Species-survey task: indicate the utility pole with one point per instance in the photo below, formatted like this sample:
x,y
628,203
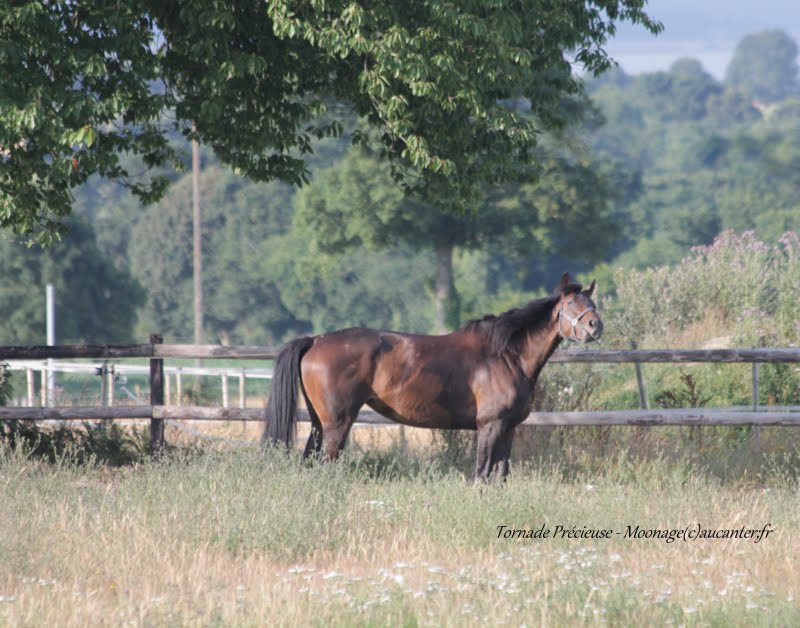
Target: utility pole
x,y
197,231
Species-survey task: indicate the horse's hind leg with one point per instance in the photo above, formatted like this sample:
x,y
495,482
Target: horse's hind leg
x,y
314,442
336,389
335,437
331,420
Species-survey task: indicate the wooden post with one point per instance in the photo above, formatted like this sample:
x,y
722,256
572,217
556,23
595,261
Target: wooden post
x,y
224,390
178,387
756,393
756,405
111,373
103,384
643,402
31,395
242,384
167,389
44,387
156,397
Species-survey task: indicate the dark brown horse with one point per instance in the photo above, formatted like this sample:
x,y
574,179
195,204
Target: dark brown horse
x,y
480,377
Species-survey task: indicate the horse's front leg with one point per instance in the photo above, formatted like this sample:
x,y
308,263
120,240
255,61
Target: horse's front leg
x,y
501,465
488,435
494,451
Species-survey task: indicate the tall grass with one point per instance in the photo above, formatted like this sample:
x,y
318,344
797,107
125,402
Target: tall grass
x,y
235,537
399,535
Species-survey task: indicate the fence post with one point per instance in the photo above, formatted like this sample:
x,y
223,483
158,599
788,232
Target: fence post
x,y
103,383
756,392
111,376
242,384
156,397
29,377
44,386
756,404
167,389
224,390
178,387
643,402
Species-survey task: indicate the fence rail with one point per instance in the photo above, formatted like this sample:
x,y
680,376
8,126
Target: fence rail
x,y
679,416
157,411
253,352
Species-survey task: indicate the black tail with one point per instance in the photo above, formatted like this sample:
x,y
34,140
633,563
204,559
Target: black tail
x,y
281,412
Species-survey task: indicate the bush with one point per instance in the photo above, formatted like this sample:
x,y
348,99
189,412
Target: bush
x,y
102,443
751,286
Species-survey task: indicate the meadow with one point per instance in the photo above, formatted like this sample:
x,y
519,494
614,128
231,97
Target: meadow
x,y
232,536
94,531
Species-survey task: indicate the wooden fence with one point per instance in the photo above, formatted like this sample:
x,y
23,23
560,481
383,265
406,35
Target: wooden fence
x,y
157,412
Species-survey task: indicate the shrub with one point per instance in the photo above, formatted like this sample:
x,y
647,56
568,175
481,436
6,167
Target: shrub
x,y
752,286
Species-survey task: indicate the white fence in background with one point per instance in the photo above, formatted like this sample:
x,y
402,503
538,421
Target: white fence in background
x,y
113,378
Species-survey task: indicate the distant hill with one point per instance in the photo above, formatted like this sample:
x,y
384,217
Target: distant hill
x,y
707,31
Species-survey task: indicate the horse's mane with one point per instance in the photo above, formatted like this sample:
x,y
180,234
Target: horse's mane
x,y
506,332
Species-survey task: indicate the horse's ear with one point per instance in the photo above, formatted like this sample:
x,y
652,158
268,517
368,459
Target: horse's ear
x,y
565,281
588,292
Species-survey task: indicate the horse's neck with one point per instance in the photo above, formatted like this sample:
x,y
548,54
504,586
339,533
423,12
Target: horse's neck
x,y
538,347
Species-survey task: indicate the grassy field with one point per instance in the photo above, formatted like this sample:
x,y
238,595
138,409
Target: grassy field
x,y
223,537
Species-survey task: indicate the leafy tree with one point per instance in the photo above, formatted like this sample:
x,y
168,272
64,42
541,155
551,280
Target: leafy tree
x,y
382,289
95,302
87,81
764,66
84,82
435,75
353,204
691,91
241,219
705,158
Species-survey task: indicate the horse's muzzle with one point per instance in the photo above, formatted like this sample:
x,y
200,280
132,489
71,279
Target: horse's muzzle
x,y
593,330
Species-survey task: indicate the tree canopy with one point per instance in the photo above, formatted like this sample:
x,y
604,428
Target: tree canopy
x,y
764,66
354,204
675,167
84,82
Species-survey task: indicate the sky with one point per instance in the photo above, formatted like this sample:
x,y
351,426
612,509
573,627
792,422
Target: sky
x,y
707,30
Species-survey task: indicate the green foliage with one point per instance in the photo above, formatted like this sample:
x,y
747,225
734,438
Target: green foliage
x,y
92,444
96,301
85,83
72,73
354,204
745,282
434,74
680,158
764,66
686,396
384,290
704,156
684,93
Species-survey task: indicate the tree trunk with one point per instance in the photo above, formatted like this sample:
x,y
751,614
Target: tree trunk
x,y
445,297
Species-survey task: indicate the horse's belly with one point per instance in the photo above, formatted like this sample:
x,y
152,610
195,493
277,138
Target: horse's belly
x,y
424,415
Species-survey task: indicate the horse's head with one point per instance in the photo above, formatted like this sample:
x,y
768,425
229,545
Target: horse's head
x,y
577,315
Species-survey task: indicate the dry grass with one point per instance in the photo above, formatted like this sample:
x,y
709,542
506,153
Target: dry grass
x,y
231,538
